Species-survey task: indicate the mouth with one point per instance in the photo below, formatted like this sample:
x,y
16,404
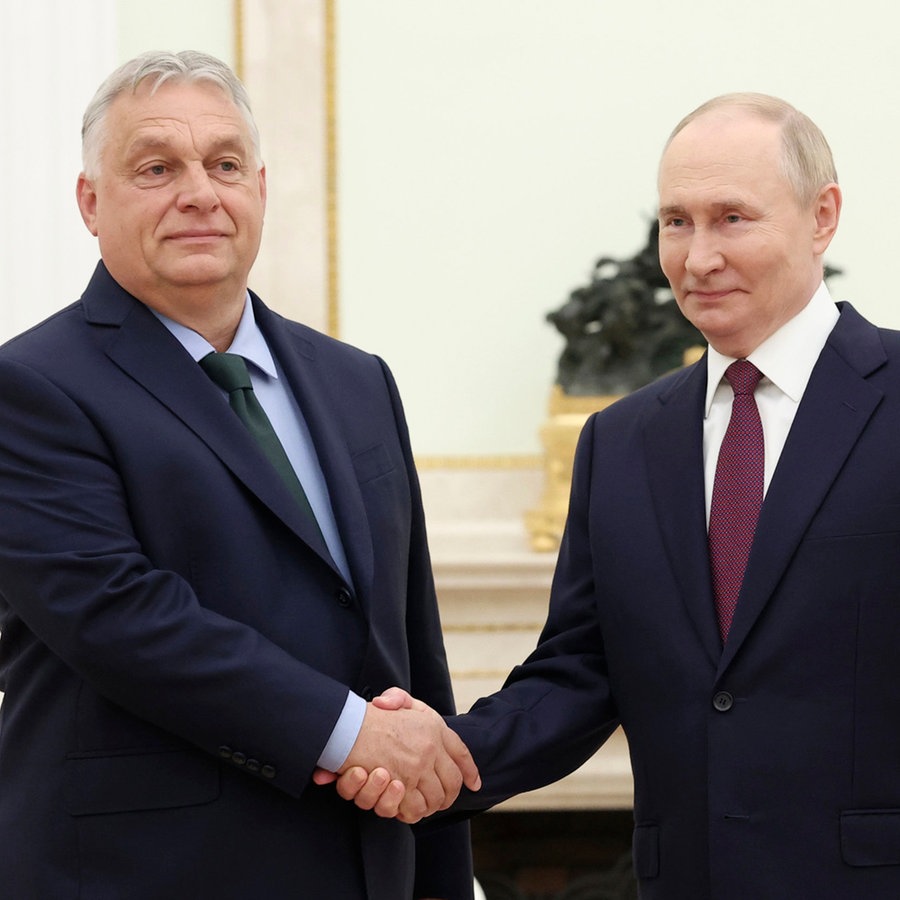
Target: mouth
x,y
706,295
196,236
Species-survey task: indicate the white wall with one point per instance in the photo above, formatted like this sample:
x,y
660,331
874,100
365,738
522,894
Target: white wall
x,y
491,150
206,25
53,56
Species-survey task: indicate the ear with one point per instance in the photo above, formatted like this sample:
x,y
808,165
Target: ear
x,y
87,202
262,186
827,210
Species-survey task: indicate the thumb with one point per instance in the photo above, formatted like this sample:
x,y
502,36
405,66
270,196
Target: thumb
x,y
395,698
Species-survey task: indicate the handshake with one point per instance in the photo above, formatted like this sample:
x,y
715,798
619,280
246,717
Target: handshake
x,y
406,763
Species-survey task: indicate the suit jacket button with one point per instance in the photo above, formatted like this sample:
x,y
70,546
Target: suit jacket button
x,y
268,772
238,758
253,765
723,701
225,752
344,597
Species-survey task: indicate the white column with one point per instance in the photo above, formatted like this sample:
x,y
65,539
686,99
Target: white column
x,y
284,70
53,55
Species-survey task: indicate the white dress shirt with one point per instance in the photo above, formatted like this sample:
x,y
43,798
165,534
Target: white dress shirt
x,y
786,360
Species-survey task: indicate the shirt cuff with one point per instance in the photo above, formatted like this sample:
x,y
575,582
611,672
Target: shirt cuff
x,y
345,733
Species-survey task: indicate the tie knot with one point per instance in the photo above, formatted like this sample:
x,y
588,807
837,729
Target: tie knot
x,y
743,376
227,370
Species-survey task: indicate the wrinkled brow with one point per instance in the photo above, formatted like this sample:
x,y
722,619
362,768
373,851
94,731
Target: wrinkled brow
x,y
226,143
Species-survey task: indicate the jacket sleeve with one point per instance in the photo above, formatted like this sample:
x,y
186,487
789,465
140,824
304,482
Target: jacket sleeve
x,y
556,708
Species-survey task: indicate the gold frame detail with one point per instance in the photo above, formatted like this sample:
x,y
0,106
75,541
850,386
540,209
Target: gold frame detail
x,y
331,168
238,13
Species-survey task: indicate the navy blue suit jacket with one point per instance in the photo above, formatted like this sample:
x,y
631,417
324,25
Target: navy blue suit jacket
x,y
176,641
769,770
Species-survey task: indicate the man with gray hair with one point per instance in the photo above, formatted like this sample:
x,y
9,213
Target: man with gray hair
x,y
212,554
728,586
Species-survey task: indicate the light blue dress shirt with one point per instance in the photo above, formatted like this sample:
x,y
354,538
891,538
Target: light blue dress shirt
x,y
287,419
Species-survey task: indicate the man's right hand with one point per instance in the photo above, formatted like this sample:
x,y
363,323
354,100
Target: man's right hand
x,y
406,763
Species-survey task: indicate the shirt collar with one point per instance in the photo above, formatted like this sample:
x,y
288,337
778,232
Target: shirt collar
x,y
248,340
787,357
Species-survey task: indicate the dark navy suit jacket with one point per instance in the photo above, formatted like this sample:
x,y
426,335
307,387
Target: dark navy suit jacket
x,y
176,641
769,770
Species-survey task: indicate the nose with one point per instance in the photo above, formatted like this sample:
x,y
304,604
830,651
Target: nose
x,y
197,190
704,254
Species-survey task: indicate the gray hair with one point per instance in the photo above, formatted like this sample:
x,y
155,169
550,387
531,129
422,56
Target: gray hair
x,y
806,159
186,66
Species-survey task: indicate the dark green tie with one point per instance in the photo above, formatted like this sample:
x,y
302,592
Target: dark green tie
x,y
229,371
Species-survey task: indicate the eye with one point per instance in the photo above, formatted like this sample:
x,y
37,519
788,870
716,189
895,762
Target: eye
x,y
228,167
733,218
156,169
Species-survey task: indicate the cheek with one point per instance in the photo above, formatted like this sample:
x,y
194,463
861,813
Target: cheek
x,y
672,263
668,259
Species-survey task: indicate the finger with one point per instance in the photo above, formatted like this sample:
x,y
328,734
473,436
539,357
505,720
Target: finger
x,y
413,808
388,804
459,753
395,698
351,782
323,776
450,778
432,789
368,794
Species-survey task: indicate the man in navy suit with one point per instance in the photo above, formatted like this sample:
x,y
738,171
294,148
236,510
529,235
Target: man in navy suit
x,y
764,733
185,638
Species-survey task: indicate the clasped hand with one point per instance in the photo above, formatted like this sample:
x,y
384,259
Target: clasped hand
x,y
406,763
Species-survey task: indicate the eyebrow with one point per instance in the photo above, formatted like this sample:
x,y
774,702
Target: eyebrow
x,y
719,206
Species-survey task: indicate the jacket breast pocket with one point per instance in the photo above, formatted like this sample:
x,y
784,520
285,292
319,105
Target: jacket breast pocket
x,y
133,781
870,837
372,463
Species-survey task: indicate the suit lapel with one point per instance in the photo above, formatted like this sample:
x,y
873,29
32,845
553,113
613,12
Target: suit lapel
x,y
837,404
319,403
142,347
674,454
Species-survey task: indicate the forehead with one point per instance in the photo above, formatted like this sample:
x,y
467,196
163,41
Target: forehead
x,y
727,151
176,112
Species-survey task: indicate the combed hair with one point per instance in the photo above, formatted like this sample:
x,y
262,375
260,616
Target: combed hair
x,y
161,66
806,158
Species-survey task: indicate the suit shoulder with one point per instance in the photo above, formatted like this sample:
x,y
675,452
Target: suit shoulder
x,y
652,394
46,339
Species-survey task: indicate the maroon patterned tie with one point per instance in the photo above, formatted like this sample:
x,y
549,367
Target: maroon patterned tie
x,y
737,493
